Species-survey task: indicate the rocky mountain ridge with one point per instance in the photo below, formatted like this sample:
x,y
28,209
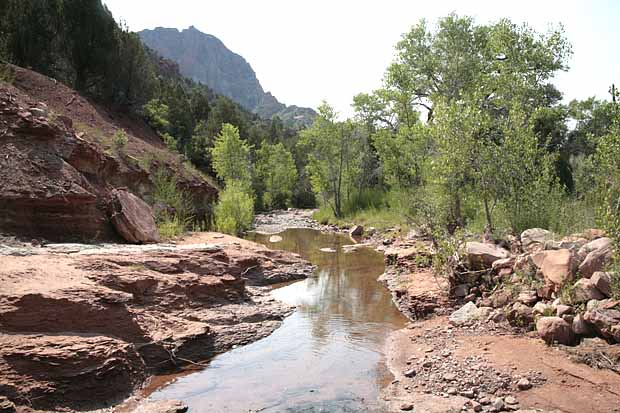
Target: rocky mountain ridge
x,y
205,59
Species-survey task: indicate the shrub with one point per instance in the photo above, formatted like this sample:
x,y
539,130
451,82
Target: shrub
x,y
6,74
234,212
170,227
120,139
170,142
174,207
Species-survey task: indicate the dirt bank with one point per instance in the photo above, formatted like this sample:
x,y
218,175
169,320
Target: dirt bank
x,y
487,364
84,326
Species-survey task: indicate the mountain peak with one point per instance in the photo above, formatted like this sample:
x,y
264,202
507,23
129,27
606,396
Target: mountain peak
x,y
205,59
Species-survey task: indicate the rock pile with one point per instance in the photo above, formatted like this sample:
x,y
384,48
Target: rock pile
x,y
558,286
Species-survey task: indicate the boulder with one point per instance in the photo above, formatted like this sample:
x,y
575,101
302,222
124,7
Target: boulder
x,y
6,406
570,243
133,218
534,239
469,314
602,281
606,321
461,290
554,329
543,308
481,256
596,260
356,231
580,326
556,266
585,290
593,234
528,297
520,315
503,263
563,310
593,246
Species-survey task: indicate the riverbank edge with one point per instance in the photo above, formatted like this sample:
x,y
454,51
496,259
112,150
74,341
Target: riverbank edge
x,y
422,296
177,290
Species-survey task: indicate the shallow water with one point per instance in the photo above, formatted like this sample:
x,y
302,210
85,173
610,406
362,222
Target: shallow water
x,y
326,357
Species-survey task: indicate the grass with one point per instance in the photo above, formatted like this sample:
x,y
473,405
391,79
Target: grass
x,y
6,74
170,227
379,218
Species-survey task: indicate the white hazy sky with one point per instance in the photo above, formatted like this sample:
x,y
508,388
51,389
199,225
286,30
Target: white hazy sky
x,y
304,52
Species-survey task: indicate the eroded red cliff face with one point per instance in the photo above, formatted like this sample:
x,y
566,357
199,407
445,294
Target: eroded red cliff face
x,y
59,164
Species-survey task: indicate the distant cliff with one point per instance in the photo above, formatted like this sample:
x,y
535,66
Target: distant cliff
x,y
206,59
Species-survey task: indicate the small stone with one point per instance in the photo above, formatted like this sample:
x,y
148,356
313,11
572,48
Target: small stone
x,y
510,400
452,391
485,401
406,407
410,373
468,393
477,407
524,384
498,404
427,364
449,377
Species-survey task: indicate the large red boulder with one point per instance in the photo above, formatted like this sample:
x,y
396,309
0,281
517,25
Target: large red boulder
x,y
133,218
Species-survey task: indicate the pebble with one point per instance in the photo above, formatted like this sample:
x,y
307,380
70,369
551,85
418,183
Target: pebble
x,y
468,393
410,373
406,407
524,384
498,404
510,400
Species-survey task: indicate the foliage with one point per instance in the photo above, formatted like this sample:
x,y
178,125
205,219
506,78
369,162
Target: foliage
x,y
231,156
157,114
234,213
120,139
333,157
174,209
6,74
607,158
276,170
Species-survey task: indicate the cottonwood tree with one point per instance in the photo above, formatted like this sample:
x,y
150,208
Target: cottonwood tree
x,y
276,170
333,150
231,156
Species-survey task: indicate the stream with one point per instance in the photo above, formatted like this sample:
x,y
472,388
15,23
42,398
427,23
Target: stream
x,y
326,357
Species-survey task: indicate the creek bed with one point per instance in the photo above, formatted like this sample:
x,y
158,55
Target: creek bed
x,y
326,357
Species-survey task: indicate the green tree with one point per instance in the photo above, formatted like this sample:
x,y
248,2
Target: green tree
x,y
231,156
333,150
276,169
234,212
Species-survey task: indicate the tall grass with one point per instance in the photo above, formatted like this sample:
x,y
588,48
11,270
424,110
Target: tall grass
x,y
174,207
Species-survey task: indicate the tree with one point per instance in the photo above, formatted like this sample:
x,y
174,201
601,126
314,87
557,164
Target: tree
x,y
276,170
231,156
234,212
333,157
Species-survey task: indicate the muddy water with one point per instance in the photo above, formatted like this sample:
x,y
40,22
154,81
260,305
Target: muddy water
x,y
326,357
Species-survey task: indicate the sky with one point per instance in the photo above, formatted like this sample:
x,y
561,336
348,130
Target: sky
x,y
306,52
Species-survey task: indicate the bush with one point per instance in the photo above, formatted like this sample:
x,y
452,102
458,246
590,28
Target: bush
x,y
234,212
174,210
120,139
6,74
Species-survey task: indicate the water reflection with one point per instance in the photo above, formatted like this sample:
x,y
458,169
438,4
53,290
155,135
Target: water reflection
x,y
326,357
